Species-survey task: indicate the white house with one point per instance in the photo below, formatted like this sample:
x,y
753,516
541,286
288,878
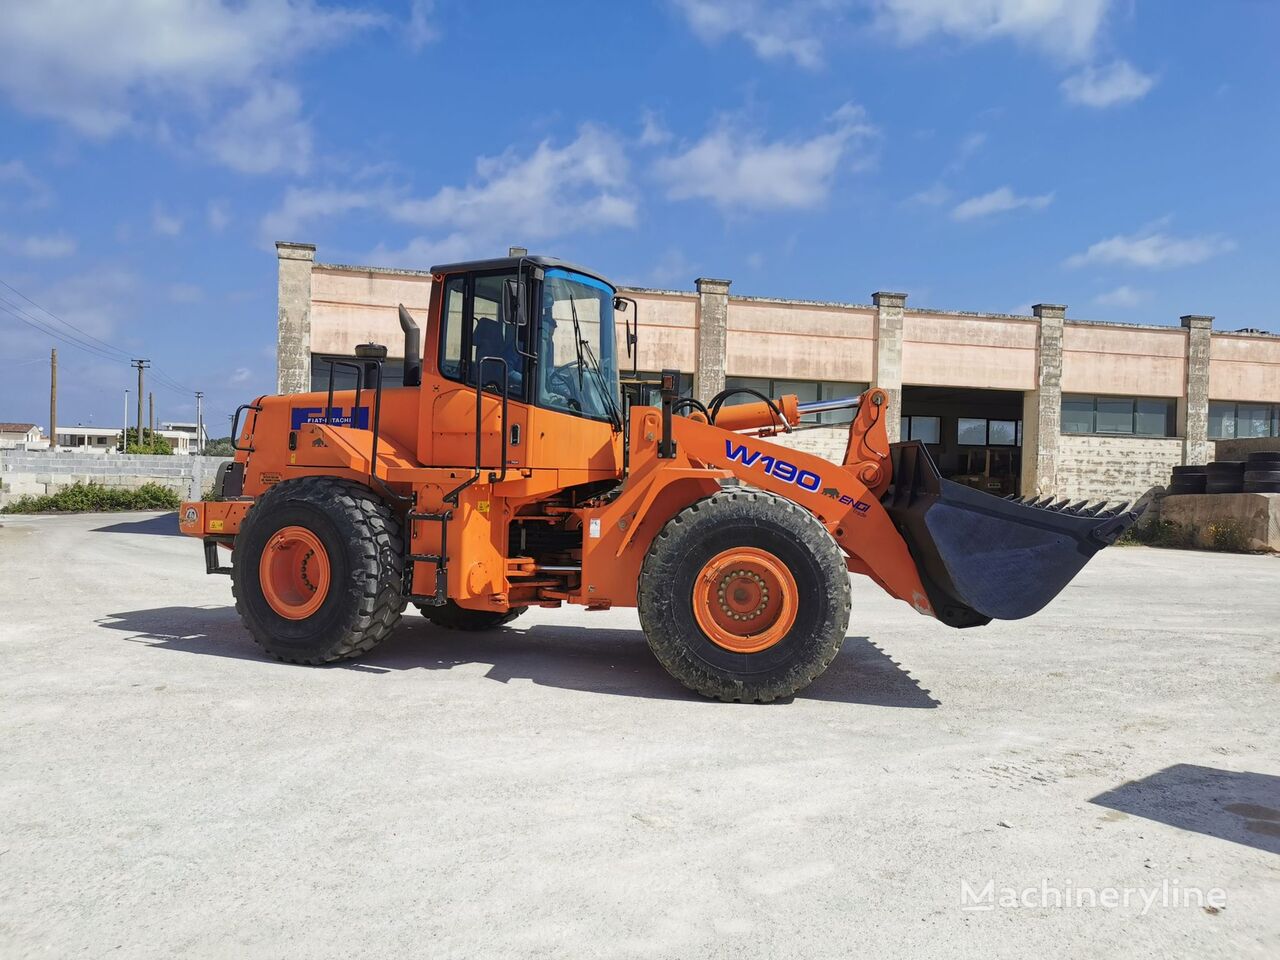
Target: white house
x,y
23,435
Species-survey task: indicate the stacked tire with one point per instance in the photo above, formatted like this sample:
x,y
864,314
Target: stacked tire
x,y
1262,472
1224,476
1190,479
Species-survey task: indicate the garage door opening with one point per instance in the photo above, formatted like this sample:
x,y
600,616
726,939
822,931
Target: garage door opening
x,y
975,436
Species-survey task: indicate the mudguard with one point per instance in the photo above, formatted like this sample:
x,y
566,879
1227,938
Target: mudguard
x,y
982,558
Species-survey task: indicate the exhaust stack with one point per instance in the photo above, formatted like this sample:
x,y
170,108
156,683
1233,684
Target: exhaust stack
x,y
412,349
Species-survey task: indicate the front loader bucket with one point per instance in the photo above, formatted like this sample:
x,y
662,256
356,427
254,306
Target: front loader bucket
x,y
982,558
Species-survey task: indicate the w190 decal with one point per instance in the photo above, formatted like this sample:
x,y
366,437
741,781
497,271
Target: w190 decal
x,y
776,467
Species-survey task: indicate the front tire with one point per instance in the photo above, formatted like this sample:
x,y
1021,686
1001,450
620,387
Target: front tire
x,y
318,571
744,596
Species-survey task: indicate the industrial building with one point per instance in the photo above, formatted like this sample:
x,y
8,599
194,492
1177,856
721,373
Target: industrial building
x,y
1041,404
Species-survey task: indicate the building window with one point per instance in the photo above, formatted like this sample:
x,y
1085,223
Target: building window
x,y
1119,416
926,429
806,390
1228,420
981,432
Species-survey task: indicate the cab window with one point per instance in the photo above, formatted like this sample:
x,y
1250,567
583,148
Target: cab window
x,y
475,335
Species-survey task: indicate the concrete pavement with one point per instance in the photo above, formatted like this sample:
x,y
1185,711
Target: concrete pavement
x,y
546,790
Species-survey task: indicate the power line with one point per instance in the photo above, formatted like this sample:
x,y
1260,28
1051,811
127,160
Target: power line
x,y
66,323
81,341
23,316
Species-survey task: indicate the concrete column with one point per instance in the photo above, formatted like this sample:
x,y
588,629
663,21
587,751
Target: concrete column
x,y
887,370
1196,447
1042,407
710,337
293,335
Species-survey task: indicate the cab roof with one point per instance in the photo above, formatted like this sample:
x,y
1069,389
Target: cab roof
x,y
510,263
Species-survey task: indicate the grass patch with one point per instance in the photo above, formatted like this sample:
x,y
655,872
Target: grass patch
x,y
1225,536
95,498
1160,533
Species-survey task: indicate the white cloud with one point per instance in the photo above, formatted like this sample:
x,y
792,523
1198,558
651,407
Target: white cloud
x,y
738,169
1153,248
239,375
48,247
91,64
419,31
934,195
264,134
1067,28
303,206
36,191
554,190
653,133
512,198
217,214
165,224
775,31
1117,82
1122,296
795,30
1000,200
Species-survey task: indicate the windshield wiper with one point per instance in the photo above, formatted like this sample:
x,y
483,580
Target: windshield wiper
x,y
580,343
615,415
577,335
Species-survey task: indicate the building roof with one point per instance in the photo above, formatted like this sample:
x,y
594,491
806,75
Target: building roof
x,y
511,263
16,427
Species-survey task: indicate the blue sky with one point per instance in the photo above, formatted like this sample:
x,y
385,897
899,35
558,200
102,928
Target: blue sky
x,y
1119,157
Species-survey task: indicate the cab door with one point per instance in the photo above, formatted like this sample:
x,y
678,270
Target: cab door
x,y
479,345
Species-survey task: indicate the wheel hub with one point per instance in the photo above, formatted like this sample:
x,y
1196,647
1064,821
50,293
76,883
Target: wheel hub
x,y
745,600
294,573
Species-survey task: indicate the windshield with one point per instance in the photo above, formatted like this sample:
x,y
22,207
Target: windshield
x,y
577,356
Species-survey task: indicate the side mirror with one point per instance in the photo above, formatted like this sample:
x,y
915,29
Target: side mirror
x,y
631,327
513,302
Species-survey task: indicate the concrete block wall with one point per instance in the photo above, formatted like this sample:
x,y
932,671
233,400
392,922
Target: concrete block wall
x,y
1240,448
37,473
825,442
1114,468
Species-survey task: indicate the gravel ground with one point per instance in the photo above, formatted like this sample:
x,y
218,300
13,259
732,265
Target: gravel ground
x,y
545,790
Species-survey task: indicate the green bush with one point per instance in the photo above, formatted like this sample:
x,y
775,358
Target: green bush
x,y
95,498
156,444
219,448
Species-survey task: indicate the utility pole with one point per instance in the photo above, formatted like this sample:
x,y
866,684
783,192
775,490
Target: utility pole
x,y
141,365
124,424
199,421
151,404
53,399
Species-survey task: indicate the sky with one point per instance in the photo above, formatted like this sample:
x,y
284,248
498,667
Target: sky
x,y
1118,156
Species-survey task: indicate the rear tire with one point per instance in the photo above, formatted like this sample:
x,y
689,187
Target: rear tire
x,y
453,617
352,537
744,596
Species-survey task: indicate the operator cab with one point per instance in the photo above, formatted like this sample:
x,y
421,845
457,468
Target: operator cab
x,y
539,328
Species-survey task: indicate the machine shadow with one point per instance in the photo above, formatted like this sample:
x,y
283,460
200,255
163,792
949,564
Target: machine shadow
x,y
609,661
165,525
1240,807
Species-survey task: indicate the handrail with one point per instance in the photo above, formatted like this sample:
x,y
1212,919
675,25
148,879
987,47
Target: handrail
x,y
452,495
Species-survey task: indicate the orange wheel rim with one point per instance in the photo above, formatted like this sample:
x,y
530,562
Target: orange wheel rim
x,y
294,572
745,600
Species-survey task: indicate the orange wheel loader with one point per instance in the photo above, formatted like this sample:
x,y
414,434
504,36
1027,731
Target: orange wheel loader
x,y
513,465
